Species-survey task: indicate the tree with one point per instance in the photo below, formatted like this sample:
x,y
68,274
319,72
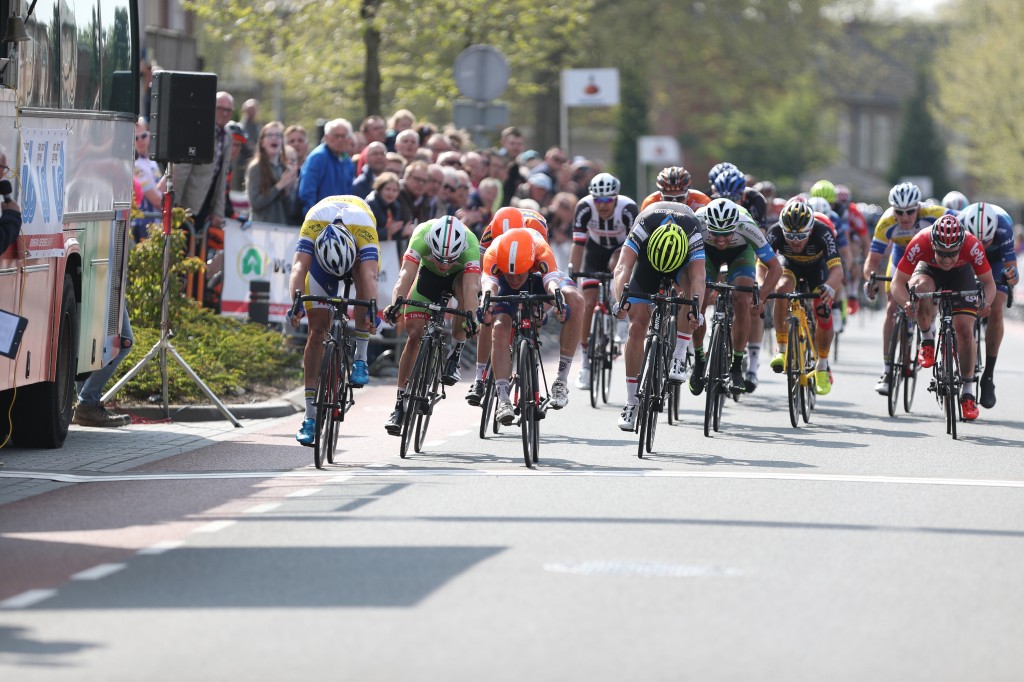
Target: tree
x,y
920,150
977,69
631,125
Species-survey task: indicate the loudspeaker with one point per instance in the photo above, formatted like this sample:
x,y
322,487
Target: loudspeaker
x,y
181,119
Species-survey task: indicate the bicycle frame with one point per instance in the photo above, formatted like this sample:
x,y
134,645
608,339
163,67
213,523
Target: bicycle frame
x,y
901,355
601,341
720,356
801,356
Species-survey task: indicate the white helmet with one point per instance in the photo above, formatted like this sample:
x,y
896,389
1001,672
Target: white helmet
x,y
335,250
721,216
604,185
819,205
955,201
980,220
446,238
905,195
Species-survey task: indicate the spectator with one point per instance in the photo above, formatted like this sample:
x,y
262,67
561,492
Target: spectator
x,y
10,220
403,119
373,129
434,193
90,410
560,213
473,163
450,160
412,193
150,179
251,126
425,130
392,218
295,136
554,162
458,140
271,181
512,144
395,164
511,147
329,170
460,197
583,171
482,204
529,159
201,187
407,144
539,188
238,141
376,155
438,144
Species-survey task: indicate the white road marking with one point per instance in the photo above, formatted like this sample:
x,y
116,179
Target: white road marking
x,y
383,470
455,434
262,508
97,572
641,569
161,547
26,599
305,492
433,443
215,526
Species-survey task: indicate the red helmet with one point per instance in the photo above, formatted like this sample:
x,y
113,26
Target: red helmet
x,y
948,233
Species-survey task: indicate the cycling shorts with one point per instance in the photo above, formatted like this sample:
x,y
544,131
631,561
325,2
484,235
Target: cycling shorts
x,y
957,279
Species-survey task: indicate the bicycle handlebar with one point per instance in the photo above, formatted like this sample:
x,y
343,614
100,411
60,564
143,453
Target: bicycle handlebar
x,y
602,276
433,307
948,293
722,286
299,298
795,296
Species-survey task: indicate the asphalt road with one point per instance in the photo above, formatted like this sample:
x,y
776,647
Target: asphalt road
x,y
856,547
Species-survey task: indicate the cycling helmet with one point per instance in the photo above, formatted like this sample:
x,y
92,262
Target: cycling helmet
x,y
505,219
730,183
843,195
948,233
721,217
824,189
236,131
797,217
980,220
335,250
604,185
905,195
955,201
718,169
819,205
446,238
535,221
767,188
516,252
667,246
674,181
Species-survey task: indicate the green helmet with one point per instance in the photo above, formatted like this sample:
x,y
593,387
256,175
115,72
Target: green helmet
x,y
667,247
824,189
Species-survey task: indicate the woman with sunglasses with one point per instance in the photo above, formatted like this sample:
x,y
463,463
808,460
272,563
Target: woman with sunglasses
x,y
905,217
147,172
600,227
807,251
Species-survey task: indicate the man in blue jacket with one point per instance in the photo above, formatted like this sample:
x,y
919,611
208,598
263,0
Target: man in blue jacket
x,y
328,170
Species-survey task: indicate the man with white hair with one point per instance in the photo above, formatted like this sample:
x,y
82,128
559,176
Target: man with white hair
x,y
328,170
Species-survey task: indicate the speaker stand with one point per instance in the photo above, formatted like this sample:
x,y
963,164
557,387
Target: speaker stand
x,y
163,346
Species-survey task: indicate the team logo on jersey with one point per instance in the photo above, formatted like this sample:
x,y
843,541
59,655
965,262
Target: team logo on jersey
x,y
542,267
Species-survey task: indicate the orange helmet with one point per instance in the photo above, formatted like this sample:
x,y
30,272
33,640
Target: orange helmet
x,y
505,219
516,252
535,221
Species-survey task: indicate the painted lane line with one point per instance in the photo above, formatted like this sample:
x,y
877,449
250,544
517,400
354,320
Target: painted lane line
x,y
433,443
639,569
26,599
341,479
215,526
262,508
305,492
456,434
98,572
161,547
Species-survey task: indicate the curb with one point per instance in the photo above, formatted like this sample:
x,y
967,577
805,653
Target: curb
x,y
285,405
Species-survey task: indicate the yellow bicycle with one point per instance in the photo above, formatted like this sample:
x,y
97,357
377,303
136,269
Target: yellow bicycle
x,y
801,357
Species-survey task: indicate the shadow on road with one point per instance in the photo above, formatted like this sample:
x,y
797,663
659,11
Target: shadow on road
x,y
35,652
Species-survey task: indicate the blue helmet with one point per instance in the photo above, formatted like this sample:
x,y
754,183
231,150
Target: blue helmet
x,y
717,170
730,184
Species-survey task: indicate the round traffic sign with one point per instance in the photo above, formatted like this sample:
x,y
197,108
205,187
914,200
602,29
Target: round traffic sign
x,y
481,72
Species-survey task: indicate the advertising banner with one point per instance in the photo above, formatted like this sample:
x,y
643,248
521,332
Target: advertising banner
x,y
42,175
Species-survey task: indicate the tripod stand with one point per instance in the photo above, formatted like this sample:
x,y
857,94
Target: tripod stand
x,y
163,346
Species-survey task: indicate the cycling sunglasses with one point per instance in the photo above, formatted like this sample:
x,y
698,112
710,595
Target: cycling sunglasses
x,y
604,201
904,211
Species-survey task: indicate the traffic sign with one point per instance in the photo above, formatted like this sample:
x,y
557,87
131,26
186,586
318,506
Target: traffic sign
x,y
481,72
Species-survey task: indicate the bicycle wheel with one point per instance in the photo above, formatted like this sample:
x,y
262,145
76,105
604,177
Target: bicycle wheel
x,y
645,402
345,392
657,389
595,357
414,394
807,383
535,380
894,357
951,403
431,396
526,402
341,387
325,393
910,369
794,374
714,380
607,359
487,405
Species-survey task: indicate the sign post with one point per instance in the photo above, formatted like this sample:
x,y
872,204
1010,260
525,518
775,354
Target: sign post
x,y
586,88
481,74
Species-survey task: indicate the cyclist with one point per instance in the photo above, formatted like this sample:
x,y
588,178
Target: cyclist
x,y
717,170
442,258
732,239
808,252
665,243
674,185
337,232
731,184
602,221
860,239
946,256
994,229
521,260
504,219
904,218
955,201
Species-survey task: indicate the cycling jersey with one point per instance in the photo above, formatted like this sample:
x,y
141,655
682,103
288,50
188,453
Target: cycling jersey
x,y
544,260
920,250
888,229
645,278
419,252
756,205
588,226
358,219
1000,251
746,241
694,199
831,220
820,247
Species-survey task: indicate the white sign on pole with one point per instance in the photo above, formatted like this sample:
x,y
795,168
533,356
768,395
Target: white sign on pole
x,y
590,87
658,149
923,182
